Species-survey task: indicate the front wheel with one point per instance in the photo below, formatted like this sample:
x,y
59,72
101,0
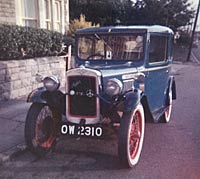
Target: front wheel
x,y
40,129
131,136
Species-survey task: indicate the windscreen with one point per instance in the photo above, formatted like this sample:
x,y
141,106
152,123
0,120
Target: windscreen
x,y
111,47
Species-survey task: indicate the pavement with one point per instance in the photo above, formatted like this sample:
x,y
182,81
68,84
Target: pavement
x,y
12,120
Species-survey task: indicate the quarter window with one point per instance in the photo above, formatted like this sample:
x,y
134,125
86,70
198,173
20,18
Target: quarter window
x,y
158,49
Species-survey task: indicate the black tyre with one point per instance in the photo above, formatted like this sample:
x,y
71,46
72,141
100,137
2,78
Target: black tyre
x,y
131,136
40,129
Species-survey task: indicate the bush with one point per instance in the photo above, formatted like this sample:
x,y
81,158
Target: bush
x,y
68,40
18,42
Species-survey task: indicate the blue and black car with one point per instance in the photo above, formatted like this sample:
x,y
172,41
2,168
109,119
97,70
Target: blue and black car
x,y
120,76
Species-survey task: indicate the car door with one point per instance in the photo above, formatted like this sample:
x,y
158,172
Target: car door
x,y
157,71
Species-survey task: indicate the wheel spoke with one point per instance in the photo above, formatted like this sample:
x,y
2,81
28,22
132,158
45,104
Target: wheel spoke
x,y
135,135
45,128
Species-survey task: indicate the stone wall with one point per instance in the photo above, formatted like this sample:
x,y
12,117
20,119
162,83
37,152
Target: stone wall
x,y
17,77
7,12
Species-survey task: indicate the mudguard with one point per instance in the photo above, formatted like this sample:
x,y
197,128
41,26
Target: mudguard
x,y
132,99
36,96
173,89
55,99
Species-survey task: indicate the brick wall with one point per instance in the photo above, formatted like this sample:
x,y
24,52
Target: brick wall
x,y
17,77
7,12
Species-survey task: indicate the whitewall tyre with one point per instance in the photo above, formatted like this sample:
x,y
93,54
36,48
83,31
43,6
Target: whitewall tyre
x,y
131,136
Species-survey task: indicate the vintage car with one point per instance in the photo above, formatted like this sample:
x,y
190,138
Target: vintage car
x,y
120,77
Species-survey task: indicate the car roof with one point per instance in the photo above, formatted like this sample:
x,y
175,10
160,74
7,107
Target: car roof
x,y
135,28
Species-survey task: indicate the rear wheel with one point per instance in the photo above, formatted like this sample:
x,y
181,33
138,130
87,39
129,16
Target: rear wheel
x,y
167,114
40,129
131,136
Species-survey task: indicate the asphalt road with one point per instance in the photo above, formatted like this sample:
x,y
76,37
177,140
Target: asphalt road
x,y
195,55
170,151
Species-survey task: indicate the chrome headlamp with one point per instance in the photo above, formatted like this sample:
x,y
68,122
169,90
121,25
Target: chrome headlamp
x,y
113,87
51,83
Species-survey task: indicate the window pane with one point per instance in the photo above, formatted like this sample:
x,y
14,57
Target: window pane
x,y
30,8
58,11
58,15
29,12
30,23
48,17
158,49
111,47
85,47
47,9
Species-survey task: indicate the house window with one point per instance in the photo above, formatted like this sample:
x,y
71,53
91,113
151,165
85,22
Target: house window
x,y
29,13
58,15
48,16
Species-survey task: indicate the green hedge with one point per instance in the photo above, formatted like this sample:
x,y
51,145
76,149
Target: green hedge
x,y
18,42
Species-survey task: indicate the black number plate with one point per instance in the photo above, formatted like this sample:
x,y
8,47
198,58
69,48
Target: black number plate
x,y
76,130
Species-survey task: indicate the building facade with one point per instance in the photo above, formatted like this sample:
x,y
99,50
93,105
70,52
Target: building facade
x,y
47,14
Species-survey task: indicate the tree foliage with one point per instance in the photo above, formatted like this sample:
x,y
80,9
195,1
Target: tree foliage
x,y
78,24
172,13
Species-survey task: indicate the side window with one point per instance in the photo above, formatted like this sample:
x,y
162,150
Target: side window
x,y
158,49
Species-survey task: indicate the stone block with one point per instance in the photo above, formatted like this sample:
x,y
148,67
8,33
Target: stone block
x,y
42,67
16,84
6,96
2,78
22,68
22,63
2,65
43,61
28,89
14,77
6,86
34,71
28,75
12,64
14,70
7,78
14,94
31,62
26,82
22,75
1,89
28,68
22,92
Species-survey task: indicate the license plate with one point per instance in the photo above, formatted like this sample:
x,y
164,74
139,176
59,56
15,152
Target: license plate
x,y
76,130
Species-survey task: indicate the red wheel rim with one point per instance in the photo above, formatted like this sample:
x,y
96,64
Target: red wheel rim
x,y
44,138
135,134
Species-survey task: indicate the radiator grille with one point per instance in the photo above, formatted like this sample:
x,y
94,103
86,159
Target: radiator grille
x,y
80,104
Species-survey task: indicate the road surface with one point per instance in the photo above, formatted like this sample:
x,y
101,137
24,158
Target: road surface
x,y
170,151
